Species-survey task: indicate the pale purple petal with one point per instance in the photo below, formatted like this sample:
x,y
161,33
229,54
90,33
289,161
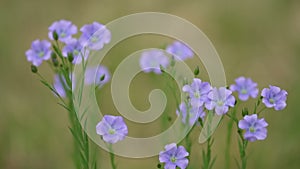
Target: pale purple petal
x,y
39,52
274,97
94,36
255,128
152,60
112,129
64,29
180,51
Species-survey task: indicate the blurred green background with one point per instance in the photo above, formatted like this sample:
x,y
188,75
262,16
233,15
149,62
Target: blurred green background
x,y
258,39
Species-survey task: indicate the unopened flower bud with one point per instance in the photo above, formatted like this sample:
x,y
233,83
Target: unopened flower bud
x,y
55,62
55,35
70,57
245,112
196,71
34,69
162,69
53,55
102,77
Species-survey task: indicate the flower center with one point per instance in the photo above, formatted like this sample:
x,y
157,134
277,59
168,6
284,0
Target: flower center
x,y
41,54
153,63
244,91
197,94
63,34
94,39
75,52
220,103
272,101
252,129
173,159
111,131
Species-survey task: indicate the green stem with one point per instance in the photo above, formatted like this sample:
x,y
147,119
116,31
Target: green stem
x,y
206,155
112,157
261,110
229,134
243,146
188,140
81,145
208,162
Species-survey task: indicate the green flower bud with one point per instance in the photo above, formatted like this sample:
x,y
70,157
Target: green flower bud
x,y
70,57
34,69
102,77
53,55
196,71
55,62
55,35
245,112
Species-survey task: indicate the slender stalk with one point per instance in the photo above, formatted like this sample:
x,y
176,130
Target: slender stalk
x,y
228,138
81,141
260,111
242,146
207,160
112,157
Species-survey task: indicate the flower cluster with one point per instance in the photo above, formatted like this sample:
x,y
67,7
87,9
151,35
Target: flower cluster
x,y
201,97
63,51
255,128
93,37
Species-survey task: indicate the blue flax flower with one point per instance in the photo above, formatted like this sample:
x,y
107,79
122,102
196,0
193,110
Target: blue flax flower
x,y
94,36
39,51
174,156
112,129
180,51
152,60
190,114
99,74
274,97
64,29
245,88
220,99
198,91
255,129
74,47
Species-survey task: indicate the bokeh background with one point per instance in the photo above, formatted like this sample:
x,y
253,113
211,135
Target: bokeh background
x,y
258,39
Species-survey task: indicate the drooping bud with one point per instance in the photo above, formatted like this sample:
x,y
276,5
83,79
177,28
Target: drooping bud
x,y
245,112
34,69
53,55
158,165
70,57
196,71
102,77
55,62
54,59
55,35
